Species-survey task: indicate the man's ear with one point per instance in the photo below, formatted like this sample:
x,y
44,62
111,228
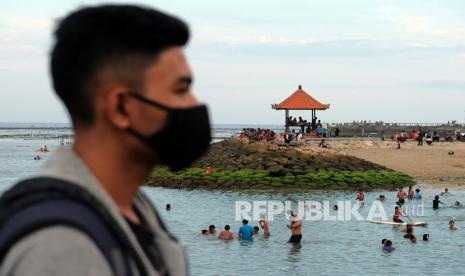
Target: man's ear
x,y
115,106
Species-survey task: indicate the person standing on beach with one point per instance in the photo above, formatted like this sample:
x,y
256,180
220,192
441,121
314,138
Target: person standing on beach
x,y
296,228
420,136
122,75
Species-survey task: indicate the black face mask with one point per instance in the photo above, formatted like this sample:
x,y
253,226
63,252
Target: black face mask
x,y
185,137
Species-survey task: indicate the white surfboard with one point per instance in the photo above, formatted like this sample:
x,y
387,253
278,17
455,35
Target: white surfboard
x,y
416,223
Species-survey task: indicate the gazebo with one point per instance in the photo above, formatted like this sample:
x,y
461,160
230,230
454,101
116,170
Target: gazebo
x,y
300,100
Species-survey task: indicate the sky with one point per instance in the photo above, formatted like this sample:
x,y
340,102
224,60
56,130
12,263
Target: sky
x,y
391,61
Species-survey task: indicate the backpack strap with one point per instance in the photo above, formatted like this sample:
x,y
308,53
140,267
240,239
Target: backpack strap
x,y
42,202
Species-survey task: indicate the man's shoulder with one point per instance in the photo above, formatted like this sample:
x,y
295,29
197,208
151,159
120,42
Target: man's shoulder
x,y
55,250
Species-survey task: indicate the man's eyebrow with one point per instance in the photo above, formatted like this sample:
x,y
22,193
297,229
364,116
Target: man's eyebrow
x,y
185,80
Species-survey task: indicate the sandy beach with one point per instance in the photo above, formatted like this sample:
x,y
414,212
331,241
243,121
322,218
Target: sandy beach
x,y
429,164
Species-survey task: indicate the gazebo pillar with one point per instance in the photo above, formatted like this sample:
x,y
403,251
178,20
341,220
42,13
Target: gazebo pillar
x,y
287,116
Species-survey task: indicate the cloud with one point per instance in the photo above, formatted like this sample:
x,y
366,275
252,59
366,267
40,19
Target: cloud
x,y
24,38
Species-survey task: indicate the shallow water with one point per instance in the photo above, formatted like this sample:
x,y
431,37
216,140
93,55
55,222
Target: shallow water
x,y
327,248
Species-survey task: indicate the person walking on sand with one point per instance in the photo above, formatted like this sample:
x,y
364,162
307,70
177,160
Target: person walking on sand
x,y
296,228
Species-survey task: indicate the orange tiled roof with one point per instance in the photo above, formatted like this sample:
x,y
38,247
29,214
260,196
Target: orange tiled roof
x,y
300,100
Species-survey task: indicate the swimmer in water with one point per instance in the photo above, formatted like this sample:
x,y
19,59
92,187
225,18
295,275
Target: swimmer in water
x,y
388,246
413,239
452,225
335,208
168,207
381,198
401,196
445,193
256,230
361,198
410,193
425,237
205,232
265,226
408,231
418,194
457,204
226,234
397,215
296,228
436,202
212,230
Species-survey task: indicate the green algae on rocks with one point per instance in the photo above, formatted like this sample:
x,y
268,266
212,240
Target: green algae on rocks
x,y
241,165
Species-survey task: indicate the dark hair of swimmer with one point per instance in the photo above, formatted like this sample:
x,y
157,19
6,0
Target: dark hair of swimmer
x,y
436,197
417,190
168,206
425,237
397,207
211,227
226,227
204,231
256,228
383,241
335,207
388,243
244,221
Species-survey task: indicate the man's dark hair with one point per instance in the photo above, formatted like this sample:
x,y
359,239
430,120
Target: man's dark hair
x,y
123,39
211,227
244,221
256,228
227,227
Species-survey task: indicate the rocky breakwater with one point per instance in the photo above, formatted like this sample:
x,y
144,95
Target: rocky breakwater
x,y
242,165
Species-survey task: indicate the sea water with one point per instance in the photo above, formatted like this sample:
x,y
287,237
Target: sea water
x,y
327,248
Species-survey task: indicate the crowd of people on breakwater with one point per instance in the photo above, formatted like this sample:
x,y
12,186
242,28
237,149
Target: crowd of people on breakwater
x,y
258,134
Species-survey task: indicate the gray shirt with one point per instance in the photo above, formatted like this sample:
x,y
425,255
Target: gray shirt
x,y
62,250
